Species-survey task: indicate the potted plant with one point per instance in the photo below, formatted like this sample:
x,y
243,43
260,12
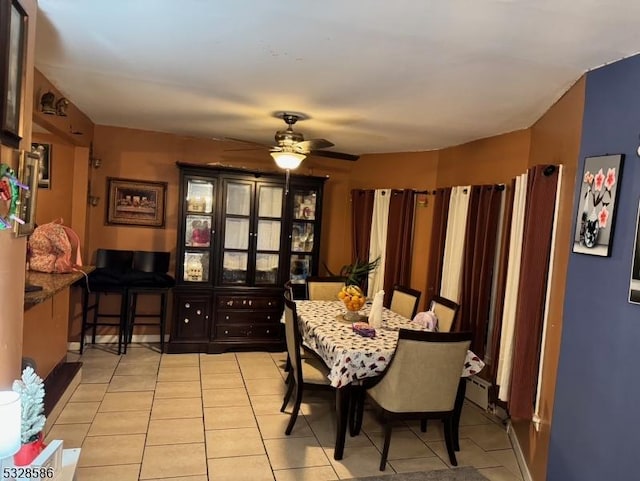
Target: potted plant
x,y
356,274
31,390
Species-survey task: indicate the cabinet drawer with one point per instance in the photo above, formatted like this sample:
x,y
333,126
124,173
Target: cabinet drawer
x,y
247,302
248,331
192,318
248,317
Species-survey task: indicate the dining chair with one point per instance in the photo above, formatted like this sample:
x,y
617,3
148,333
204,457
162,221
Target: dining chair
x,y
446,311
304,352
421,382
324,288
305,373
404,301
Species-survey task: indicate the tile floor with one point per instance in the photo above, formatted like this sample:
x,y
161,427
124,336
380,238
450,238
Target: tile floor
x,y
197,417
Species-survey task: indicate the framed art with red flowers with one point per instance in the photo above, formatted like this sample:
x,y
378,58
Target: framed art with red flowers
x,y
596,215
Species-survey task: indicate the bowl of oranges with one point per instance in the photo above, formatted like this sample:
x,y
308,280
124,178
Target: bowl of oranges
x,y
353,299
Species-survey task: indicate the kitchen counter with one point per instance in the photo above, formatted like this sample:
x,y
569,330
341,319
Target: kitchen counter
x,y
51,284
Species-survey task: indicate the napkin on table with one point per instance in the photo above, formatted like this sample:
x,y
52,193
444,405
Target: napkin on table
x,y
375,316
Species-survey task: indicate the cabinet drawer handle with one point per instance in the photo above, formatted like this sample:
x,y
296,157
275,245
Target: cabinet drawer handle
x,y
267,331
186,320
268,317
198,312
229,303
244,302
207,316
187,305
226,332
226,317
269,304
250,302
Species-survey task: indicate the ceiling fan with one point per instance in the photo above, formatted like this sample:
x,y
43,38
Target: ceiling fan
x,y
291,148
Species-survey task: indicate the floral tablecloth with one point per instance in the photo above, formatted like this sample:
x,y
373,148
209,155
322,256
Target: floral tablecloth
x,y
352,357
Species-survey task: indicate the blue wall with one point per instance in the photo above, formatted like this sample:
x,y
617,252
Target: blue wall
x,y
595,434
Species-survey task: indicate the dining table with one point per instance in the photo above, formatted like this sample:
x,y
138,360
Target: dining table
x,y
352,358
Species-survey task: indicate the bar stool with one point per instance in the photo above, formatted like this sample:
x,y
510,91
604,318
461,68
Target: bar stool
x,y
107,278
148,277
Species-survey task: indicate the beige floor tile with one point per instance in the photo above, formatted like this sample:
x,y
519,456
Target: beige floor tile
x,y
487,436
507,458
126,401
140,354
72,434
100,362
265,386
225,443
132,383
93,375
229,418
225,356
183,478
295,453
253,468
173,460
112,450
318,473
370,422
177,409
472,415
89,392
470,454
177,389
498,474
432,463
181,373
279,356
180,360
323,426
78,413
175,431
222,381
253,356
435,430
127,472
404,444
92,351
219,367
266,404
273,426
357,462
137,369
129,422
224,397
261,371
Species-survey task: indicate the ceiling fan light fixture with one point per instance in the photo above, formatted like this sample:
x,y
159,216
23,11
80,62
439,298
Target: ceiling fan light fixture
x,y
288,160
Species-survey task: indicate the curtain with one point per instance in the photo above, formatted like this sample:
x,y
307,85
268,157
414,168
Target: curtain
x,y
361,213
478,262
454,244
378,243
399,241
505,355
501,286
536,247
438,237
536,417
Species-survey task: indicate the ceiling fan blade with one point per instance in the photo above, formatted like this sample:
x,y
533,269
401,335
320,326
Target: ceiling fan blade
x,y
335,155
312,144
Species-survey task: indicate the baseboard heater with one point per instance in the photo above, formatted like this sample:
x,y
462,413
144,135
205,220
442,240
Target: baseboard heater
x,y
478,392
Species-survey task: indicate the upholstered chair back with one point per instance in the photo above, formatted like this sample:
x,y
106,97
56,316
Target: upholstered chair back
x,y
324,288
446,311
404,301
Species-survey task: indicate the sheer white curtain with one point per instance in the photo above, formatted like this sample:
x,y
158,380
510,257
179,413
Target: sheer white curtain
x,y
454,243
536,411
505,360
378,241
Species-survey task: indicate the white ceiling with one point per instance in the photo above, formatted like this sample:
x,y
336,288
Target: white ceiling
x,y
372,75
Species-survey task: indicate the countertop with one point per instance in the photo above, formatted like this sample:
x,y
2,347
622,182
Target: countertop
x,y
51,284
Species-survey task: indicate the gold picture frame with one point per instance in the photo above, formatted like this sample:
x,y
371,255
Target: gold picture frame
x,y
28,166
136,202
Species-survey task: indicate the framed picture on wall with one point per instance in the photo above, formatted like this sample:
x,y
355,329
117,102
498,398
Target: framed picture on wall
x,y
13,38
44,171
136,202
28,176
596,215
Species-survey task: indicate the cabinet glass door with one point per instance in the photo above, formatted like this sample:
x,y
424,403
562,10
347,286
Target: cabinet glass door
x,y
198,230
270,202
302,234
237,234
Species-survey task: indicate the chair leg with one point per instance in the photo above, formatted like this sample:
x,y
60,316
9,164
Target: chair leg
x,y
387,442
287,364
124,321
287,396
356,410
423,425
163,315
296,408
457,412
448,438
95,318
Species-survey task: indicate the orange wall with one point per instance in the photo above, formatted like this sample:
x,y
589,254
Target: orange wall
x,y
12,250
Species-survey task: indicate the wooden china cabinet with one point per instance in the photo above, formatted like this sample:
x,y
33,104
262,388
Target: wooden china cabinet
x,y
241,236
